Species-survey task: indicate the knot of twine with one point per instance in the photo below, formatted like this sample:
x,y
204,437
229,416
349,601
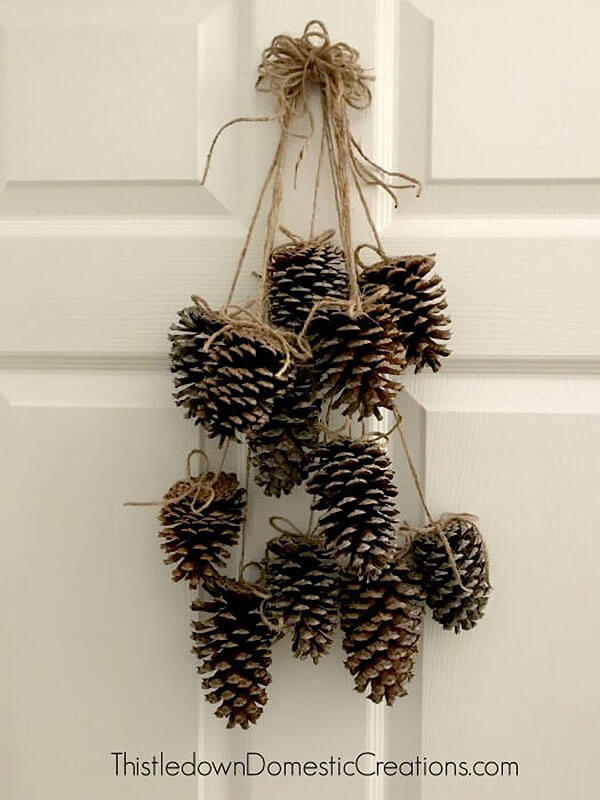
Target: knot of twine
x,y
243,320
290,65
201,486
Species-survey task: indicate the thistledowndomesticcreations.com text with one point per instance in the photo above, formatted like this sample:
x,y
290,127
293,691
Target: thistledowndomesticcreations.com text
x,y
363,765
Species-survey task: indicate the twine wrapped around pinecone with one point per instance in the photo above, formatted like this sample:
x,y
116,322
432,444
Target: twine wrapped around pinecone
x,y
303,581
452,557
416,298
234,649
201,518
358,356
382,622
300,274
353,485
281,449
229,380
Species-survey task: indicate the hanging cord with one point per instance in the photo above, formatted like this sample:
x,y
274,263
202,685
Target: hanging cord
x,y
313,214
289,67
435,527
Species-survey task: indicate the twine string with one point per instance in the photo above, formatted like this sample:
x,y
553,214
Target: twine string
x,y
200,486
313,214
288,68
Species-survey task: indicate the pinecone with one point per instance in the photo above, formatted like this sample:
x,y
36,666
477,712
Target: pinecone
x,y
353,484
188,357
304,582
300,275
240,382
197,532
357,358
417,301
451,606
382,623
282,448
234,649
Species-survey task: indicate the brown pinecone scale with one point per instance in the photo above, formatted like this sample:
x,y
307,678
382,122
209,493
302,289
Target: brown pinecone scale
x,y
303,581
234,649
300,275
353,485
200,521
281,449
358,358
382,622
417,301
453,607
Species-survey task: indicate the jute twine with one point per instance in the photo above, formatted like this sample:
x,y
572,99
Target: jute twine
x,y
200,486
290,67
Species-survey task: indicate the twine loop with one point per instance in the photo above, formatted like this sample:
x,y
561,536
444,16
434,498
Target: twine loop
x,y
200,486
289,66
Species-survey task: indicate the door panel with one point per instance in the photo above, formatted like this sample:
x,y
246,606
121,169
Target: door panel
x,y
104,232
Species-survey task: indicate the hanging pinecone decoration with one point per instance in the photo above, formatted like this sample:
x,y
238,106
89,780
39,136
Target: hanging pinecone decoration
x,y
281,449
242,376
357,358
382,623
302,273
416,298
201,520
455,605
193,328
303,581
353,485
234,649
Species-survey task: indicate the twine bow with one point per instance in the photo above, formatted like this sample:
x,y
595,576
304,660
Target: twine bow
x,y
201,486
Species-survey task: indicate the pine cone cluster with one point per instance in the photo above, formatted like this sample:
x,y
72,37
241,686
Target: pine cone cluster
x,y
282,448
233,377
303,582
201,521
301,275
357,359
453,607
234,649
416,298
353,485
382,622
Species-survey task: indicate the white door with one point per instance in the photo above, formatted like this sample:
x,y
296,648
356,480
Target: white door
x,y
106,112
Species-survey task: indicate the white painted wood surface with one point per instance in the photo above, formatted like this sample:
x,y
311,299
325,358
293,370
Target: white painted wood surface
x,y
106,111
